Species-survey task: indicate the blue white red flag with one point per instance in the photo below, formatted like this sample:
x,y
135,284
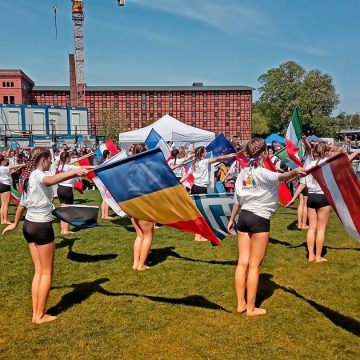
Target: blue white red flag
x,y
107,145
154,140
216,209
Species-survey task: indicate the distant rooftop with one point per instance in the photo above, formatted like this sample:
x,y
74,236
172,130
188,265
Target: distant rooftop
x,y
16,71
148,88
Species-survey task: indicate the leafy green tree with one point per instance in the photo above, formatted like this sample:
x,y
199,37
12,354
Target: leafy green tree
x,y
290,86
259,122
112,123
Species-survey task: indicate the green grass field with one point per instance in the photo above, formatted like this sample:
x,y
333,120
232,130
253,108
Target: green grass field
x,y
184,306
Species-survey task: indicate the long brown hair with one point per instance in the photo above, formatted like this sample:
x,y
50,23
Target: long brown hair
x,y
36,154
199,152
320,151
138,148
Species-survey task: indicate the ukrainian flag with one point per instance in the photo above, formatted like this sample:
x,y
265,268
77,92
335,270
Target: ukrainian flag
x,y
146,188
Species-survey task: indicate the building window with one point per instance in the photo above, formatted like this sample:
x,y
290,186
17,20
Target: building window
x,y
193,103
216,103
143,117
12,84
12,99
135,106
103,94
227,103
159,105
170,94
143,96
4,85
160,115
8,84
205,104
193,114
205,114
170,104
143,106
42,95
193,94
6,100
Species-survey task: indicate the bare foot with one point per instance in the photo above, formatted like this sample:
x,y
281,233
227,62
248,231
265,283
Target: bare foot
x,y
320,260
305,227
135,267
107,218
68,232
255,312
45,318
241,308
311,258
200,239
6,223
143,268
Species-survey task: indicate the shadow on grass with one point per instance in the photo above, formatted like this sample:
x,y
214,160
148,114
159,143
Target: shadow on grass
x,y
82,201
82,258
157,256
267,288
84,290
292,226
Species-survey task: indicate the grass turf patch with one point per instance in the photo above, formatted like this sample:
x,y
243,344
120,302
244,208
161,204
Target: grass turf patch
x,y
184,307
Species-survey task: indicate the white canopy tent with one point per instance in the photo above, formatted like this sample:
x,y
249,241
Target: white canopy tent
x,y
171,130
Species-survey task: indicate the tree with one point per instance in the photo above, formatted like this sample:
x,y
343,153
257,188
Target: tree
x,y
112,123
259,122
290,86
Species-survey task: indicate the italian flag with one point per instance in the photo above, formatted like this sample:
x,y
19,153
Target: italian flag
x,y
293,137
14,195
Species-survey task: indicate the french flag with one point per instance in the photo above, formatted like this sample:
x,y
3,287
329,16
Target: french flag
x,y
154,140
107,145
342,189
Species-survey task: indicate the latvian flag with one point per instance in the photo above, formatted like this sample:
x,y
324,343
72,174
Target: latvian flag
x,y
293,137
107,145
154,140
342,189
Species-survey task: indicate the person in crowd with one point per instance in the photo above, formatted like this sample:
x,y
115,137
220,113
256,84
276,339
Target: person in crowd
x,y
65,188
37,229
256,194
200,171
144,231
104,206
5,187
177,161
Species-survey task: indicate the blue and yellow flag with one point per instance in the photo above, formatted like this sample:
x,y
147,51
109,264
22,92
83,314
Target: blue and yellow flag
x,y
147,189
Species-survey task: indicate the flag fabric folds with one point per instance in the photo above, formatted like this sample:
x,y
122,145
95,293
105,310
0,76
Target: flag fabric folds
x,y
221,146
155,140
342,189
284,193
284,157
14,195
146,188
107,145
105,194
216,210
78,215
87,160
293,138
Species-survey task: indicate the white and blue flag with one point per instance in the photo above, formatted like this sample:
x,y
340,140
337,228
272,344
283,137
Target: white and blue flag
x,y
216,209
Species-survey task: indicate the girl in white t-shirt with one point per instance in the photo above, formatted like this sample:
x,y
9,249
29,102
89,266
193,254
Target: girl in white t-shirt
x,y
38,232
256,193
5,187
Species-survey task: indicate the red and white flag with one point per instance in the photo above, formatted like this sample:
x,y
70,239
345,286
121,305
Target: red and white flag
x,y
342,189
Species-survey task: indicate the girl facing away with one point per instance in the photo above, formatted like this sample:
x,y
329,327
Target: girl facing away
x,y
256,195
37,229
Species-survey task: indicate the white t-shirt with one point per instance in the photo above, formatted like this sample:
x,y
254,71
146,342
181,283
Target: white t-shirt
x,y
201,173
312,184
179,171
5,177
37,199
70,182
257,191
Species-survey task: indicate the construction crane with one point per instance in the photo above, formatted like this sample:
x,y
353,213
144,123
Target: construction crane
x,y
79,78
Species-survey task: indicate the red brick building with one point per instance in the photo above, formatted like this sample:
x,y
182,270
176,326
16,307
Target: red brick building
x,y
221,109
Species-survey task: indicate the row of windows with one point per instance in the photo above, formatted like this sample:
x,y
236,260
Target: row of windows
x,y
8,84
9,99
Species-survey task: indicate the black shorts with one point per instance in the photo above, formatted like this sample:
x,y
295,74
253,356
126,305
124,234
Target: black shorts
x,y
305,191
251,223
198,190
4,188
40,233
65,195
317,201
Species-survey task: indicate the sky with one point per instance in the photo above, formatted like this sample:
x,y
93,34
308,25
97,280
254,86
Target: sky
x,y
178,42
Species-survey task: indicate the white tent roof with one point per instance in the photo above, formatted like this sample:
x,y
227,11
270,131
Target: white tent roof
x,y
169,129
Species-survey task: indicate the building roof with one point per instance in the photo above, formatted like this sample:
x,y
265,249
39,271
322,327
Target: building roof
x,y
149,88
18,72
